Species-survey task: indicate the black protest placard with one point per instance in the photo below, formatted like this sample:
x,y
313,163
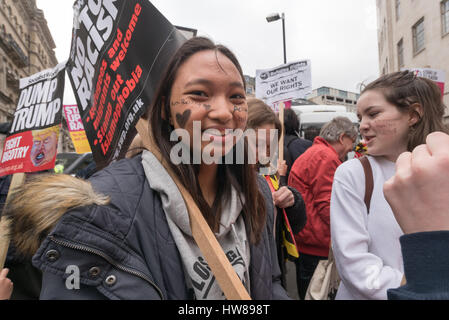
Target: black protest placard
x,y
40,100
119,51
32,141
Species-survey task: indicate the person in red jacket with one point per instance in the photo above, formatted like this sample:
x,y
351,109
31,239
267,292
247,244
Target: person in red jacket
x,y
312,175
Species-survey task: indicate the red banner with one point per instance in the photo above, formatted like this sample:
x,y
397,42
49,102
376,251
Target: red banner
x,y
30,151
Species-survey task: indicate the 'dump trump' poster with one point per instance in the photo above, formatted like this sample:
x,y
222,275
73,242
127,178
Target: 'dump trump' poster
x,y
32,141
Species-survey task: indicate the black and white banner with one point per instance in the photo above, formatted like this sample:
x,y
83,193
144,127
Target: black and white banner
x,y
119,50
286,82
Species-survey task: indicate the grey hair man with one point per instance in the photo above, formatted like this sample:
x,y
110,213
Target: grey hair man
x,y
341,134
312,175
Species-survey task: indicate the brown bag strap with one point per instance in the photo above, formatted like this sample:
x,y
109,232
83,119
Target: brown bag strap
x,y
369,181
224,273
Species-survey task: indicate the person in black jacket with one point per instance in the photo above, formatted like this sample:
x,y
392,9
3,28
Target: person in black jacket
x,y
125,233
419,196
287,198
294,146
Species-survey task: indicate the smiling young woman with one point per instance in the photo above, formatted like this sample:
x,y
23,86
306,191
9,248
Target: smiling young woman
x,y
397,112
139,243
205,83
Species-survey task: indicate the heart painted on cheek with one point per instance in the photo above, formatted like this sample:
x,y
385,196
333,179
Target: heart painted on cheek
x,y
183,118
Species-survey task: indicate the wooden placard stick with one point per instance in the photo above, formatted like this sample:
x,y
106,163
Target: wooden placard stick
x,y
281,139
17,180
224,273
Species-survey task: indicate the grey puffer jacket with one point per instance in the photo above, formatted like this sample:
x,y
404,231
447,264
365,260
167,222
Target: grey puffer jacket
x,y
124,250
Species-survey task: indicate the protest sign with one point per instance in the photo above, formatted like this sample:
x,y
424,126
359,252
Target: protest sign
x,y
76,129
286,82
276,106
32,141
436,75
118,54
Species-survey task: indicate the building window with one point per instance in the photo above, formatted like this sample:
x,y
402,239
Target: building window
x,y
398,9
418,37
343,94
401,53
445,16
323,91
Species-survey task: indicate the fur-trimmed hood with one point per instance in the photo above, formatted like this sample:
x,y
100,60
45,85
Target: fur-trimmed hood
x,y
34,208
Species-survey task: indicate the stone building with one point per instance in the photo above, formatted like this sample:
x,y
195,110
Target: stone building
x,y
250,86
26,47
414,34
332,96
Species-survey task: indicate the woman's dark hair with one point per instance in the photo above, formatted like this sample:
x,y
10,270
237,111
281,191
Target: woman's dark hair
x,y
240,176
291,122
404,89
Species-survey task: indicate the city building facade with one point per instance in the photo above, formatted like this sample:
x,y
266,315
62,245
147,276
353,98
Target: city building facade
x,y
332,96
414,34
26,47
250,86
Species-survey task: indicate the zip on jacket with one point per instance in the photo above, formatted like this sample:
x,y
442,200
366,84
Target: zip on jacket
x,y
111,261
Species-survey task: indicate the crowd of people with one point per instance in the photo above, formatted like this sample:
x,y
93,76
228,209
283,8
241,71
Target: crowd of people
x,y
127,230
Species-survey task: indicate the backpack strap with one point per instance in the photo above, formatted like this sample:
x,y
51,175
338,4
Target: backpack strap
x,y
369,181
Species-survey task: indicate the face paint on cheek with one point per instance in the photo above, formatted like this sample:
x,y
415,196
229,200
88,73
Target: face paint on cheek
x,y
239,109
186,102
183,118
240,120
237,113
181,102
386,127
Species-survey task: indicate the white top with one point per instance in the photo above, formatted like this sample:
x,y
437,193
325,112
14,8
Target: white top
x,y
366,247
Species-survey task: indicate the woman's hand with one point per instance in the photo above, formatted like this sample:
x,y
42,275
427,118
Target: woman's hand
x,y
283,198
6,285
419,191
282,168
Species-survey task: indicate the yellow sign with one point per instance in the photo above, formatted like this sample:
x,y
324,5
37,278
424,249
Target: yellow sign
x,y
76,129
80,142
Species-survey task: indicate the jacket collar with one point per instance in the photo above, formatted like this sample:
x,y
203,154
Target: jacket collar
x,y
320,141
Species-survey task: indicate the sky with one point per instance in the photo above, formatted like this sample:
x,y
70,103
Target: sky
x,y
338,36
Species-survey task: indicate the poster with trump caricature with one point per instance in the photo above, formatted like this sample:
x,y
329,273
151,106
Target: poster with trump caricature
x,y
32,142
